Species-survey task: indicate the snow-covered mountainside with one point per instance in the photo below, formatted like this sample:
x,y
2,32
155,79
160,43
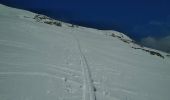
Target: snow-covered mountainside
x,y
45,59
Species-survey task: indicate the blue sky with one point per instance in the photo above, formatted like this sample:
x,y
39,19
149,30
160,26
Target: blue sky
x,y
143,20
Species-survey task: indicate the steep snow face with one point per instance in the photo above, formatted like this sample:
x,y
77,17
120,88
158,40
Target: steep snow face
x,y
45,59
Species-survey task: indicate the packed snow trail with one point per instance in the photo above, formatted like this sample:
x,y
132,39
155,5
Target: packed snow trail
x,y
88,87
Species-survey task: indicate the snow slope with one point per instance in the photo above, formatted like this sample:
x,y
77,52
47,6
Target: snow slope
x,y
46,59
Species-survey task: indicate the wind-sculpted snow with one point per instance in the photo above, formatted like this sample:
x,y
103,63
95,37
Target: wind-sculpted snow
x,y
42,60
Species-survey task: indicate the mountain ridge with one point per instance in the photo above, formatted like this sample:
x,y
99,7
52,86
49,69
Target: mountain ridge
x,y
46,59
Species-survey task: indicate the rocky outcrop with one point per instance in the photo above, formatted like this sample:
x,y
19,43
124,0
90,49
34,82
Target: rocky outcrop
x,y
47,20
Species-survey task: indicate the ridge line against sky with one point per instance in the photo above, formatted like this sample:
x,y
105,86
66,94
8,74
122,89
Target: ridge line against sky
x,y
142,20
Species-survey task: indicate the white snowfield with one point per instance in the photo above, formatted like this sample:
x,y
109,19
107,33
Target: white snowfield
x,y
45,59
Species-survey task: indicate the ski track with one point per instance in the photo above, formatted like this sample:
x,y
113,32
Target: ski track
x,y
88,86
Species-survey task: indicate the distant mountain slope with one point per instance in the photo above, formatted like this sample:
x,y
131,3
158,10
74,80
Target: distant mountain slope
x,y
45,59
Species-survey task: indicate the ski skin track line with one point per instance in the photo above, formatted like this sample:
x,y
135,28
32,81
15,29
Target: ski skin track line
x,y
88,87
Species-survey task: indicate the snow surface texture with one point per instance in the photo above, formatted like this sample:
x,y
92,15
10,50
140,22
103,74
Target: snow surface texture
x,y
46,59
